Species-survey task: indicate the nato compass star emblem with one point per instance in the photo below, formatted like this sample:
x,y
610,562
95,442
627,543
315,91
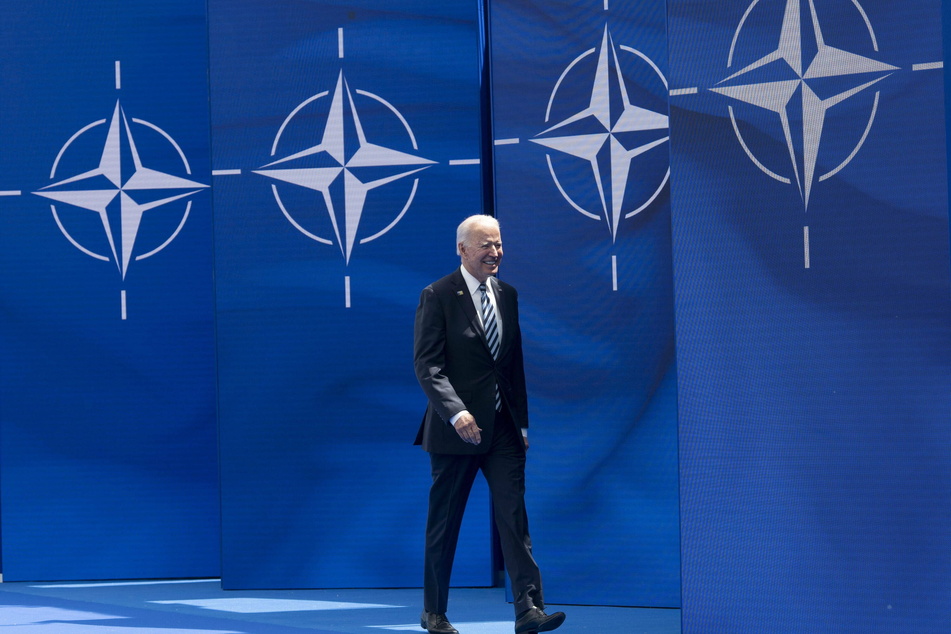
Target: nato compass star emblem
x,y
116,194
794,86
340,165
803,78
610,163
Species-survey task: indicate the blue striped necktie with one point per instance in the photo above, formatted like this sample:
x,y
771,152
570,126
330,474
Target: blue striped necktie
x,y
491,336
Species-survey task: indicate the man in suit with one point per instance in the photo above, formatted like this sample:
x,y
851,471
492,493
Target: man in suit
x,y
468,358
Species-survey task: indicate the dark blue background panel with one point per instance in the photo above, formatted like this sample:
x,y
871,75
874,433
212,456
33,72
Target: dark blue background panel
x,y
581,169
108,459
810,230
346,151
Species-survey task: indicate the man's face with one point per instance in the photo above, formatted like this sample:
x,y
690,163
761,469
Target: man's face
x,y
483,253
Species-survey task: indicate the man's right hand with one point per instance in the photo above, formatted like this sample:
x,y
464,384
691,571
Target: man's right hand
x,y
467,429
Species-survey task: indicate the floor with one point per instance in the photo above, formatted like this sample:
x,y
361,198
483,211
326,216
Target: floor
x,y
200,606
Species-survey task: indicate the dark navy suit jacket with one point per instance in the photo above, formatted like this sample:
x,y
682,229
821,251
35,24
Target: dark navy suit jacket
x,y
455,367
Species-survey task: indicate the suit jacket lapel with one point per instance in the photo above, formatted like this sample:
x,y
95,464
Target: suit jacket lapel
x,y
461,291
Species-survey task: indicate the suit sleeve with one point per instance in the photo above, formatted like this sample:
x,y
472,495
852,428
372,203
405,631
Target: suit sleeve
x,y
429,356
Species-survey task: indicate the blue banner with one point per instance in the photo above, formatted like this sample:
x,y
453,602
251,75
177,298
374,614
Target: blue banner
x,y
582,194
810,223
108,459
346,151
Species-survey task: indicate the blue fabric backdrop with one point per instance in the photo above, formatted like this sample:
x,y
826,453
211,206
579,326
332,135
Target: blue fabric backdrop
x,y
321,486
813,315
581,166
107,380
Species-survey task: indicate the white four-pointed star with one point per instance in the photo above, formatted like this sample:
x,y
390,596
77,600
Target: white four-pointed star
x,y
142,179
776,96
334,145
589,146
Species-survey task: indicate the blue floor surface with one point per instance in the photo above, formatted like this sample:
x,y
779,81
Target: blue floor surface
x,y
202,607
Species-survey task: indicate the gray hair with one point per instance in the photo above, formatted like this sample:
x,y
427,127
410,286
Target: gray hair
x,y
464,230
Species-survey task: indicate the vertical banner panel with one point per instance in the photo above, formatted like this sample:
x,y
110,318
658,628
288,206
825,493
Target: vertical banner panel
x,y
813,319
346,151
582,166
108,459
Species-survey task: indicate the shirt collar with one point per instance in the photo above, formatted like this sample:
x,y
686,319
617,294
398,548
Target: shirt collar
x,y
471,282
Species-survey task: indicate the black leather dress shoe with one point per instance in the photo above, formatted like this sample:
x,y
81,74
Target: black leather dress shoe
x,y
535,620
436,624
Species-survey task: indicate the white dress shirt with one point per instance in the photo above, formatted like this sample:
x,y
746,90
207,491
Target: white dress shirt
x,y
476,296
